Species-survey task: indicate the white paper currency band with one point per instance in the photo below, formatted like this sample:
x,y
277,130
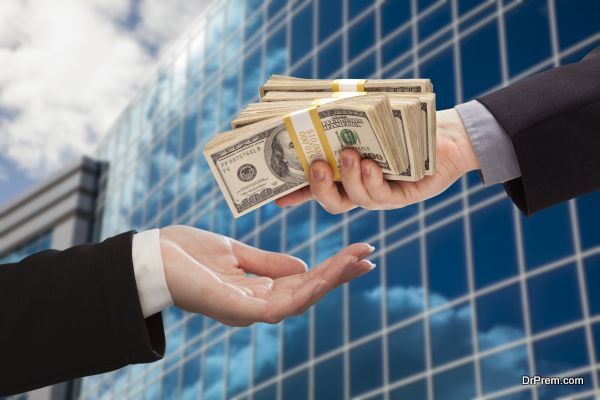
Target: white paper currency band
x,y
348,85
307,135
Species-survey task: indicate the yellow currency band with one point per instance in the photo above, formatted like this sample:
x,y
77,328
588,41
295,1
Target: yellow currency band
x,y
314,115
316,122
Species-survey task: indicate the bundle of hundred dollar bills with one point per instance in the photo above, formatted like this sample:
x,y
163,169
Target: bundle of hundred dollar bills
x,y
269,151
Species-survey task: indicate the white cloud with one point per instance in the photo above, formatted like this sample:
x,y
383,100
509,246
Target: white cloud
x,y
68,67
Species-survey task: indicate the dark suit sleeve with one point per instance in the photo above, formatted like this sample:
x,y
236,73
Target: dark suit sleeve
x,y
553,119
67,314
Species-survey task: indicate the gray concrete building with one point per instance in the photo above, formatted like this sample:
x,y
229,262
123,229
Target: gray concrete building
x,y
55,214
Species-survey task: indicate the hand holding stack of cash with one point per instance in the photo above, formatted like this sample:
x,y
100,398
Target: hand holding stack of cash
x,y
273,143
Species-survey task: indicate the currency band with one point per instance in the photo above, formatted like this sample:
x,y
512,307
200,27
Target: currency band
x,y
309,139
348,85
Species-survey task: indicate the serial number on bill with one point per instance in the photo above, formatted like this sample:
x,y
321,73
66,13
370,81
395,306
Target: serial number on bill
x,y
239,157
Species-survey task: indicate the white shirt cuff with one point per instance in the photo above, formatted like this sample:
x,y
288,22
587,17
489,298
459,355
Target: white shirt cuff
x,y
150,273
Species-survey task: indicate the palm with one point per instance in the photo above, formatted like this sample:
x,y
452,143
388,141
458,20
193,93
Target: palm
x,y
210,275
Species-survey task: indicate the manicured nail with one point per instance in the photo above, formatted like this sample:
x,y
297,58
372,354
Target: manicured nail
x,y
372,248
318,175
347,162
366,170
373,266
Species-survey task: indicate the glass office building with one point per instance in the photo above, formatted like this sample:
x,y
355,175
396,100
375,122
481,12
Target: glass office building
x,y
468,295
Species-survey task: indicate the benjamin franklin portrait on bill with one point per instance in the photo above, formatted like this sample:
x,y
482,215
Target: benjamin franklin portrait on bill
x,y
281,157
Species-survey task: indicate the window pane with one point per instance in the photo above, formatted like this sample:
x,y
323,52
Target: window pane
x,y
494,252
295,387
527,39
554,298
406,351
451,334
447,263
295,341
301,33
366,372
405,295
560,353
481,45
298,226
361,36
394,14
502,370
415,390
592,275
329,379
330,18
455,384
330,58
329,322
365,304
589,219
277,53
500,317
214,362
547,236
266,353
238,370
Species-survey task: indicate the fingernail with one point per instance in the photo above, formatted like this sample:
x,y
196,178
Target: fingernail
x,y
372,248
318,175
366,170
347,162
373,266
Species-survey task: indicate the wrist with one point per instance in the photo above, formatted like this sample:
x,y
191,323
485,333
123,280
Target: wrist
x,y
451,125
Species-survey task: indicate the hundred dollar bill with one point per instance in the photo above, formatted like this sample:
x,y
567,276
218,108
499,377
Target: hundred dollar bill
x,y
266,160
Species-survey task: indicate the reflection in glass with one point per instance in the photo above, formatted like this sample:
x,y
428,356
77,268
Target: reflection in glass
x,y
447,263
500,317
494,252
329,379
365,304
295,387
450,334
191,379
502,370
554,298
266,355
455,384
405,296
214,365
366,367
295,341
406,351
563,352
238,369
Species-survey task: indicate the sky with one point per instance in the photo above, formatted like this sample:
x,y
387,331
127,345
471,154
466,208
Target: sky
x,y
67,69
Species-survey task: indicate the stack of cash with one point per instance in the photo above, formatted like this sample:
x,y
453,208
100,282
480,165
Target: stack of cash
x,y
268,153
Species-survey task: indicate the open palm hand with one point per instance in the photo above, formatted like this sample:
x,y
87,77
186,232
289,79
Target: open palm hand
x,y
208,273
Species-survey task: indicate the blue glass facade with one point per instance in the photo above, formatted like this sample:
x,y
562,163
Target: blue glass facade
x,y
469,295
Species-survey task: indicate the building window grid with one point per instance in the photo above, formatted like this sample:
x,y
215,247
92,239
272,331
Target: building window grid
x,y
522,276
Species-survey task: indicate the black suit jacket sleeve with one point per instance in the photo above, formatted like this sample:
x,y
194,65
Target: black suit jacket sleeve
x,y
67,314
553,119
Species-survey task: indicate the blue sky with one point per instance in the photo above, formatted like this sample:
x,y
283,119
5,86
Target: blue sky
x,y
68,68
